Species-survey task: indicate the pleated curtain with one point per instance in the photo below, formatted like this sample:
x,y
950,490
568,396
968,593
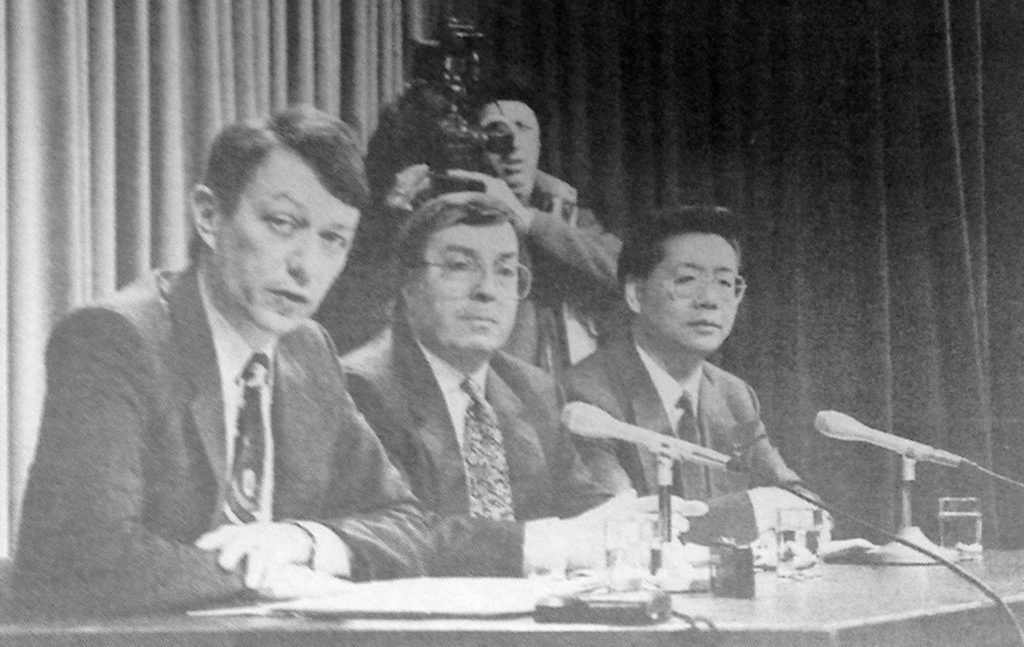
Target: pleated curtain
x,y
107,109
875,150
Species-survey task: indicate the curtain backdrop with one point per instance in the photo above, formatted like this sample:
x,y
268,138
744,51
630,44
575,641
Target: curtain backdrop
x,y
856,138
108,107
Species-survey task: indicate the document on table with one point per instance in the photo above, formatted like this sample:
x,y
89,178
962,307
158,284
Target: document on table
x,y
422,598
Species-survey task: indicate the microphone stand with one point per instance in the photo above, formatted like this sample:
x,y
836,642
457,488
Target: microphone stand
x,y
897,553
664,471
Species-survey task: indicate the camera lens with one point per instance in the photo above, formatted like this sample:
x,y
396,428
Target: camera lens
x,y
499,140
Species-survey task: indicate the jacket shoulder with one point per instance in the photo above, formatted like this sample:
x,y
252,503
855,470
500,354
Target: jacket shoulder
x,y
369,359
726,381
140,307
519,373
738,394
599,379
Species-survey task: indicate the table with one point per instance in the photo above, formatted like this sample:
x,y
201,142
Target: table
x,y
849,605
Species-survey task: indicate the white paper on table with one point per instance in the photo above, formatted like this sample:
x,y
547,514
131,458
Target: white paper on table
x,y
423,598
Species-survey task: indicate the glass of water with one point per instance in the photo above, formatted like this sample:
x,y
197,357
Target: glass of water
x,y
798,537
960,526
628,550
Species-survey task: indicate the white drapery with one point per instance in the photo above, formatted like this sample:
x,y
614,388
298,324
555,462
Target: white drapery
x,y
107,107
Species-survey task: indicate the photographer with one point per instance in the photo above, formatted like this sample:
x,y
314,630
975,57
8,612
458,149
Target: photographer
x,y
570,255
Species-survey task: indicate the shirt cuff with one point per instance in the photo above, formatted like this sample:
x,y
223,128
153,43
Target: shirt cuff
x,y
545,547
331,555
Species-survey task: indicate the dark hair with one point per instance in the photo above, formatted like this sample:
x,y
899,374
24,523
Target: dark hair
x,y
643,244
513,87
327,144
444,211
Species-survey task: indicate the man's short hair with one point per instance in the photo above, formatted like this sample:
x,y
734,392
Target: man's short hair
x,y
643,245
513,87
327,144
442,212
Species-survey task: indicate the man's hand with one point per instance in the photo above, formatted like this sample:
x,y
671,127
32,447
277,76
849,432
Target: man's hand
x,y
627,505
408,184
557,188
497,188
287,581
587,529
262,545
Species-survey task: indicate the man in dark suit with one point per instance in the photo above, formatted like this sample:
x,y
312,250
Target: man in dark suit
x,y
679,272
197,439
475,430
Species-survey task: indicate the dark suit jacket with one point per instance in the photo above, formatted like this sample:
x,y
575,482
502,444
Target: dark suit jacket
x,y
615,379
392,384
131,455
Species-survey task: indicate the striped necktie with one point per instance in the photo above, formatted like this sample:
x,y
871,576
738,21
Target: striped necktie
x,y
483,452
243,501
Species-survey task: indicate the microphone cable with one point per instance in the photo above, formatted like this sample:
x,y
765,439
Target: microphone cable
x,y
971,579
988,472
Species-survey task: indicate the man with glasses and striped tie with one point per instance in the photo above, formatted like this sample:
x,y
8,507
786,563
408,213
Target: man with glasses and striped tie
x,y
476,431
198,440
679,270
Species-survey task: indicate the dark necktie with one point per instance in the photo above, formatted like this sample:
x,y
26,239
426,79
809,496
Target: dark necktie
x,y
487,479
243,500
690,478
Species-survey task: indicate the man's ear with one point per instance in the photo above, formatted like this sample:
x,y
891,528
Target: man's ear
x,y
205,211
632,292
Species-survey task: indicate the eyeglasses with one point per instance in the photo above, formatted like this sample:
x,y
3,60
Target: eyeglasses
x,y
463,272
686,283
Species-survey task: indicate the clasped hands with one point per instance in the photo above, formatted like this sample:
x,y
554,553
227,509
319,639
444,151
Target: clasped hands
x,y
272,559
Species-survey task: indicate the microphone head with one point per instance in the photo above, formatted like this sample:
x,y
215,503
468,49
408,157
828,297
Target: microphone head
x,y
585,419
840,426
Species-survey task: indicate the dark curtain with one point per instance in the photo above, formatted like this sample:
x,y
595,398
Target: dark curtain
x,y
857,139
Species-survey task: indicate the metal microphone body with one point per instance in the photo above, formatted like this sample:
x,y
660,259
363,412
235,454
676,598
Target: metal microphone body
x,y
843,427
589,421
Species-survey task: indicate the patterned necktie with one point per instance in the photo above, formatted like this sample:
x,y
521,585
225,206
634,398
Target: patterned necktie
x,y
487,480
690,478
243,500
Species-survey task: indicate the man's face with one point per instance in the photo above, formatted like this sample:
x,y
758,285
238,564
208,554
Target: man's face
x,y
519,167
272,261
460,316
699,267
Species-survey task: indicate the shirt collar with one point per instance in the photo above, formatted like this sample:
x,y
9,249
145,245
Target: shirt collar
x,y
232,351
668,388
450,378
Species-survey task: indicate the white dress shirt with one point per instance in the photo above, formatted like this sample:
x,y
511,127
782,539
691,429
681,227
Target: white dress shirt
x,y
233,353
455,398
669,389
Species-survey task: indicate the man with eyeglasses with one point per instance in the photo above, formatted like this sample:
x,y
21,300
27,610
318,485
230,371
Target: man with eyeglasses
x,y
680,275
475,430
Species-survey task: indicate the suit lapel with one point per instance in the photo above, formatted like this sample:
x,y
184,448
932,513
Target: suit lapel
x,y
714,416
523,450
430,423
645,405
717,426
305,392
195,364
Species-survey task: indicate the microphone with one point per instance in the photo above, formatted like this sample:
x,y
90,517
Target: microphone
x,y
842,427
589,421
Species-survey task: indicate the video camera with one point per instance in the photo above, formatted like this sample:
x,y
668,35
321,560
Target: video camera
x,y
447,73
